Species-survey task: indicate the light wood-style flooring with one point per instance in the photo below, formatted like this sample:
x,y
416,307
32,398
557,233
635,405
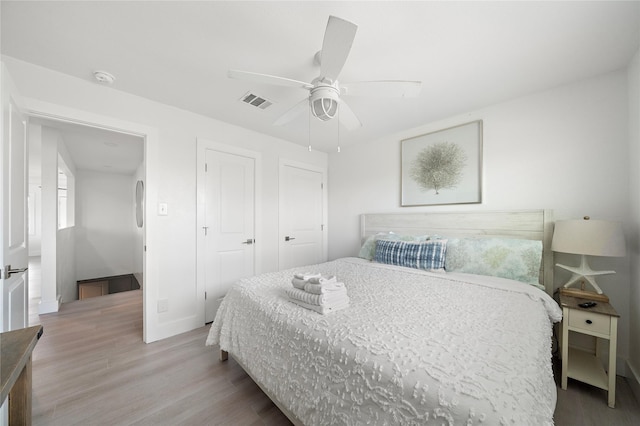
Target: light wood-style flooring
x,y
92,368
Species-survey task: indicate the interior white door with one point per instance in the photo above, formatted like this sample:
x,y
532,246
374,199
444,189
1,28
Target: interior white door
x,y
229,224
301,217
13,202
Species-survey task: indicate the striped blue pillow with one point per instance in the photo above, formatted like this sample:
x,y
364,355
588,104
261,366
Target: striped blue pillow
x,y
427,255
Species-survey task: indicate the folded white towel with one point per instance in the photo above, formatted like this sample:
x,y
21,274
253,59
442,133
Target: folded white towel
x,y
317,299
299,283
323,288
307,275
323,280
322,309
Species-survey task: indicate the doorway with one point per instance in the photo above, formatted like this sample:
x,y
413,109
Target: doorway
x,y
97,232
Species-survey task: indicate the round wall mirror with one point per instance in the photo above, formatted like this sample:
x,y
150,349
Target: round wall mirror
x,y
139,203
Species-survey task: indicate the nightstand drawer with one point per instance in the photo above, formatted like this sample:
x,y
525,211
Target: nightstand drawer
x,y
590,322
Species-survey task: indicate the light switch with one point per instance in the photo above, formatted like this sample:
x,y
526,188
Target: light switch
x,y
163,209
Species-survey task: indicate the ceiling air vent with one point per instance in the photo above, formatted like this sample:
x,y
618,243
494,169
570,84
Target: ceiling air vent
x,y
256,101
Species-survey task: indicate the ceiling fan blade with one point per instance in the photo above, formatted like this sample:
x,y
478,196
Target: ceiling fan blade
x,y
347,117
268,79
338,38
290,115
382,89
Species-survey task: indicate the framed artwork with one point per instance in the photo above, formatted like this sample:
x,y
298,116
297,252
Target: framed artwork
x,y
443,167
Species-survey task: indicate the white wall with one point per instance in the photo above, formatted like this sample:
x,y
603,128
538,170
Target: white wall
x,y
35,219
65,245
634,240
34,135
57,248
564,149
171,178
49,220
105,240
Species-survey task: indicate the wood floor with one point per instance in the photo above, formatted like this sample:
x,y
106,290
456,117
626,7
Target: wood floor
x,y
92,368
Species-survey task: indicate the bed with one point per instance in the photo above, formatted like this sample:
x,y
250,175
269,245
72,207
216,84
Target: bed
x,y
415,346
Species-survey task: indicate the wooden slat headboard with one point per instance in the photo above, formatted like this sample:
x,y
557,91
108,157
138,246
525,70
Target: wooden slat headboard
x,y
525,224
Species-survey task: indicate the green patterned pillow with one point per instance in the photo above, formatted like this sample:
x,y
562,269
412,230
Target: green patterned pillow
x,y
511,258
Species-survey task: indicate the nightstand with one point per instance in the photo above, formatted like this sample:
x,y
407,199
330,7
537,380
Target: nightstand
x,y
601,322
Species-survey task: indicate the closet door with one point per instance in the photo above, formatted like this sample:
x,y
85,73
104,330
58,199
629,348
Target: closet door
x,y
301,216
230,224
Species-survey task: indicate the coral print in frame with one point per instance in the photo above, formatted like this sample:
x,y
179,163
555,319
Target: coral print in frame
x,y
443,167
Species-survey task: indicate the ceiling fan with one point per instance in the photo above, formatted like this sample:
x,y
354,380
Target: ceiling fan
x,y
325,91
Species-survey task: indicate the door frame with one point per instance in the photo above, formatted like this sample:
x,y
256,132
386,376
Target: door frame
x,y
203,145
284,162
151,173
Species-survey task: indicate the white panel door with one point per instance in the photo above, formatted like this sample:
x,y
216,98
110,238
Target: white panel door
x,y
230,224
13,202
301,217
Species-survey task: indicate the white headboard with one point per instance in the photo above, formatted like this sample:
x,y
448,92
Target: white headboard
x,y
525,224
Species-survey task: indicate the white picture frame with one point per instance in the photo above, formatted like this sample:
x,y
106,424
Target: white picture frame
x,y
443,167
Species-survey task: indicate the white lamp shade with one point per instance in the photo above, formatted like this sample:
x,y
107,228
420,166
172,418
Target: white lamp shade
x,y
589,237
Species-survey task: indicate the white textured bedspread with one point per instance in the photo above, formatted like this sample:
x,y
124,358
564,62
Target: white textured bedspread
x,y
413,348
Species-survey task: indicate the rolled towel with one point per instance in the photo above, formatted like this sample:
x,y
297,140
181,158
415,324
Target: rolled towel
x,y
323,288
299,283
306,276
323,280
317,299
322,309
300,279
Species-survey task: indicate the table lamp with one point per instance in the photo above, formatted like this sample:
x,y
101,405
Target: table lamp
x,y
587,238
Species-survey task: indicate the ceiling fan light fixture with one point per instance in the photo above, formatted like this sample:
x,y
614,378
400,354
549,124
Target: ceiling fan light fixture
x,y
324,108
324,102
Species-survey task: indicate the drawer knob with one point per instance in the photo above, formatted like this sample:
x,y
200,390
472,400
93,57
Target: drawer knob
x,y
589,322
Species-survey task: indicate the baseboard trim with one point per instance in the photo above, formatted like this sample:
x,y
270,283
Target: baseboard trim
x,y
633,378
49,306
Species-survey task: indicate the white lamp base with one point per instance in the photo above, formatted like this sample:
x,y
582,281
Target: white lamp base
x,y
583,273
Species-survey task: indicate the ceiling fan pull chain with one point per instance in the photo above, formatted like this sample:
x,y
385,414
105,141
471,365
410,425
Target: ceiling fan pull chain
x,y
309,130
339,108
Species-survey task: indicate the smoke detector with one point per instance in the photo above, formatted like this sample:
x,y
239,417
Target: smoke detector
x,y
104,77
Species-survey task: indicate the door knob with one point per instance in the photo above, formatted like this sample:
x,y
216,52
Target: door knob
x,y
249,241
288,238
8,271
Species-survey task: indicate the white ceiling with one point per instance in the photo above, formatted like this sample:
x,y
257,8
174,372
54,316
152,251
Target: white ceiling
x,y
468,55
92,149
